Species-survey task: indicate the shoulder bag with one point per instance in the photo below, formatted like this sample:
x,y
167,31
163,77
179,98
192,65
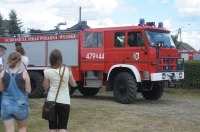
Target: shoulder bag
x,y
48,111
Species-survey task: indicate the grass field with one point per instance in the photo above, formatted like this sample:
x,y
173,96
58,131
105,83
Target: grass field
x,y
178,110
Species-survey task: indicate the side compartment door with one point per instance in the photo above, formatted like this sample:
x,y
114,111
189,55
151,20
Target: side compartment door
x,y
92,51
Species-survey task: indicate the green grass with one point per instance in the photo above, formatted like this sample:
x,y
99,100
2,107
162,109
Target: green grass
x,y
179,92
103,114
35,122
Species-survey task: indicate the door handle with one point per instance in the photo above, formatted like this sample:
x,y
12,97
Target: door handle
x,y
127,58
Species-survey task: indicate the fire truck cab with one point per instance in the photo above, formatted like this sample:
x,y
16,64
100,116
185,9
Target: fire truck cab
x,y
127,60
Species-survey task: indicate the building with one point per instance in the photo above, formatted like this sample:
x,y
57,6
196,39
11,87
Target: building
x,y
188,52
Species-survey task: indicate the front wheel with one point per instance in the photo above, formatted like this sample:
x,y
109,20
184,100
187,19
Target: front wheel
x,y
125,88
157,89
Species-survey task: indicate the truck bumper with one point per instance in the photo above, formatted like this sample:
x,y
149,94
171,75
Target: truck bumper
x,y
164,76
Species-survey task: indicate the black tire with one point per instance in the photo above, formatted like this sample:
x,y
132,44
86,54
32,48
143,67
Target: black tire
x,y
156,92
37,90
125,88
89,91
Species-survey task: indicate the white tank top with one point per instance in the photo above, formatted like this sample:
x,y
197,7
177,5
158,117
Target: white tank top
x,y
54,78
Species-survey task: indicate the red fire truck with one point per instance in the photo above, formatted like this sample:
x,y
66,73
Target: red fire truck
x,y
107,56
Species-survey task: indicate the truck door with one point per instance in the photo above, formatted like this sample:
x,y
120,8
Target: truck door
x,y
136,52
92,51
129,48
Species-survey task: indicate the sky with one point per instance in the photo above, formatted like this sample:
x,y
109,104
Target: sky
x,y
46,14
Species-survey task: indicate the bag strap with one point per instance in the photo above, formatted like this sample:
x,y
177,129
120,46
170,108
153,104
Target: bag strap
x,y
59,84
24,65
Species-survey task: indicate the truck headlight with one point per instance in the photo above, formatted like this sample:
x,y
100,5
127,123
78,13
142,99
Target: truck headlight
x,y
180,75
163,75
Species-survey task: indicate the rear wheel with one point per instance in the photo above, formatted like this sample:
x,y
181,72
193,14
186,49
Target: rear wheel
x,y
157,89
37,89
125,88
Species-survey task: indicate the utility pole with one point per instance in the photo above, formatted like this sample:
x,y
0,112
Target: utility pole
x,y
180,31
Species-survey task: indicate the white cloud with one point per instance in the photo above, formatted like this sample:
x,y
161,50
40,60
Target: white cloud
x,y
17,2
167,24
188,7
100,23
46,14
91,9
192,38
189,11
164,1
155,1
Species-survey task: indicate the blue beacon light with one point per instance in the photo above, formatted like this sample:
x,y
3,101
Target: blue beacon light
x,y
160,25
142,21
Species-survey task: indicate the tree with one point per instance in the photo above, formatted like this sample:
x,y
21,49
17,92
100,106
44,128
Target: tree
x,y
14,25
1,24
176,42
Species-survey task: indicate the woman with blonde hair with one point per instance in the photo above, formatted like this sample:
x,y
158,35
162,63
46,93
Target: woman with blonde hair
x,y
15,86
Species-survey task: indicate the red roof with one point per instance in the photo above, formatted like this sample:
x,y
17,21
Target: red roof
x,y
126,28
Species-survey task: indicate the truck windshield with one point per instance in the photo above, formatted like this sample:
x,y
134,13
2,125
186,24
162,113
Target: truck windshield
x,y
155,37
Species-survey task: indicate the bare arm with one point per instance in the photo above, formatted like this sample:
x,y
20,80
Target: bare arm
x,y
1,68
72,81
1,85
27,82
46,84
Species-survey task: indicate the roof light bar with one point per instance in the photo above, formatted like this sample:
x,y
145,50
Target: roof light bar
x,y
150,24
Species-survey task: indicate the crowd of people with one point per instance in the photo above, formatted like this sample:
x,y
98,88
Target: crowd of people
x,y
15,86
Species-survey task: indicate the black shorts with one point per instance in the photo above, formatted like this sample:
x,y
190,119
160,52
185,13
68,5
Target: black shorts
x,y
61,116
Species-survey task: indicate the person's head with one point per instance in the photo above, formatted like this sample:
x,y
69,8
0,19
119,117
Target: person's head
x,y
131,36
20,50
2,50
18,44
55,58
90,38
13,59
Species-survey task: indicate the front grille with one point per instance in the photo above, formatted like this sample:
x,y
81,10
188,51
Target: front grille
x,y
167,64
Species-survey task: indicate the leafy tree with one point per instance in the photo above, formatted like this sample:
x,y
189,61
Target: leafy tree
x,y
176,42
14,25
